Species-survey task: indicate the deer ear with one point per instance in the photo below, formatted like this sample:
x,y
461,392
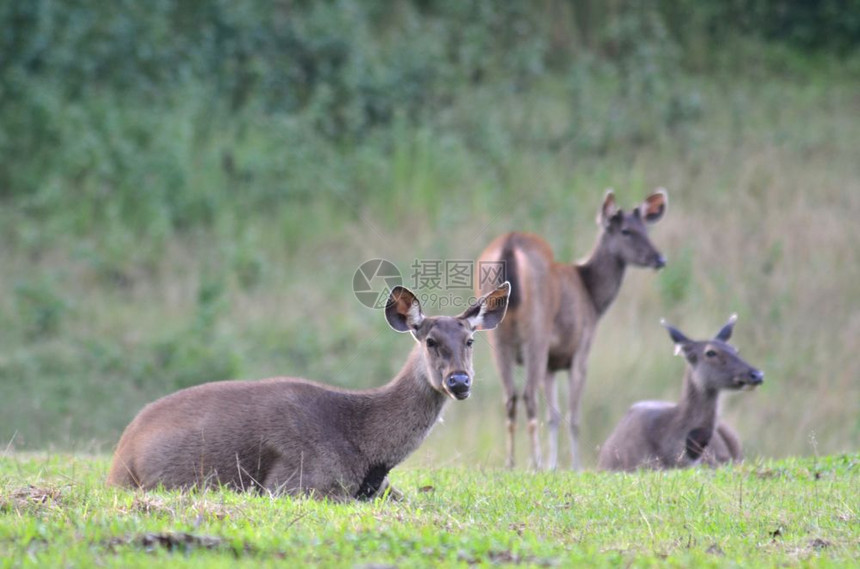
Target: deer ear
x,y
488,310
608,210
726,331
677,336
403,311
654,206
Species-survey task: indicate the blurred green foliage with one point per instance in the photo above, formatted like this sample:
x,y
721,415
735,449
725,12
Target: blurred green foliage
x,y
677,281
818,25
41,308
171,167
156,115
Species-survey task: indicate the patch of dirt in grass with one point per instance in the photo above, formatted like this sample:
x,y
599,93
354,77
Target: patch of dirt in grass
x,y
818,544
519,528
171,541
155,505
813,547
184,541
715,549
766,473
150,505
504,557
31,497
809,548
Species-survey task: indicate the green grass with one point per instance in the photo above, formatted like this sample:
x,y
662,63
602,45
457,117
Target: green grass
x,y
56,511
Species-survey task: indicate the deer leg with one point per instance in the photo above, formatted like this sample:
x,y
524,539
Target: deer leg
x,y
503,353
287,477
511,409
535,361
577,383
284,478
386,490
553,419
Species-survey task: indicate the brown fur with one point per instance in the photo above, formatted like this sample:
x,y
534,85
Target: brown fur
x,y
724,447
554,312
290,435
661,434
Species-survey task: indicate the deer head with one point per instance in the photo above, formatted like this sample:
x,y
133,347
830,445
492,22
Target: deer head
x,y
715,363
626,232
446,341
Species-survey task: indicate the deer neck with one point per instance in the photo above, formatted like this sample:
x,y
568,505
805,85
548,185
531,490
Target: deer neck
x,y
399,415
698,407
602,274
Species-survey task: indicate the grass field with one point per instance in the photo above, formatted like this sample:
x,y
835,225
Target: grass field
x,y
56,512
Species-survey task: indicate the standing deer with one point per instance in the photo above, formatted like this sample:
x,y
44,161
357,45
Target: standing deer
x,y
289,435
660,434
554,310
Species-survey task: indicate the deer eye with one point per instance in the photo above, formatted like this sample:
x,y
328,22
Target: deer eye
x,y
431,343
469,342
710,353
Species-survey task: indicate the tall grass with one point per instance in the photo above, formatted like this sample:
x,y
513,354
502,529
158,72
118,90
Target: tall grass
x,y
206,224
102,316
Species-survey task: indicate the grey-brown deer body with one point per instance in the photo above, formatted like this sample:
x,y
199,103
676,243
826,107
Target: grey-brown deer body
x,y
554,310
661,434
289,435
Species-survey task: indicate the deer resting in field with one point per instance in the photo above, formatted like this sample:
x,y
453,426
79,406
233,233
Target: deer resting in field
x,y
660,434
554,309
293,436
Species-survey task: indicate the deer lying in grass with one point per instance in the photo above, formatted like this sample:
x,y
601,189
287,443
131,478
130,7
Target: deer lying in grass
x,y
554,310
289,435
660,434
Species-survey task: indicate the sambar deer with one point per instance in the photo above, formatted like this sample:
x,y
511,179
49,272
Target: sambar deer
x,y
293,436
661,434
554,309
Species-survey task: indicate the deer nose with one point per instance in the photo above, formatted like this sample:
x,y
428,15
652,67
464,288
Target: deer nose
x,y
756,376
659,262
458,384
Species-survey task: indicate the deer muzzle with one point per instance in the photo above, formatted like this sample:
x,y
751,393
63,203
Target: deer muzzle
x,y
756,377
751,380
459,385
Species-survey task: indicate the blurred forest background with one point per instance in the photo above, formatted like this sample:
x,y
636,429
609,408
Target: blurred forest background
x,y
188,187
